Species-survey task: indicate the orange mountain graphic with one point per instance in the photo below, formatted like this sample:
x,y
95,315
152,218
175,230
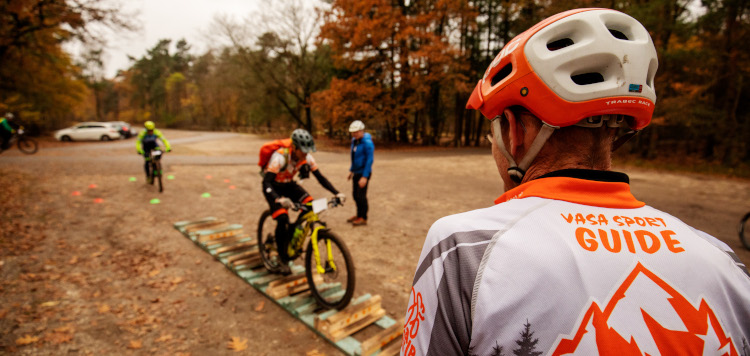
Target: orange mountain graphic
x,y
668,323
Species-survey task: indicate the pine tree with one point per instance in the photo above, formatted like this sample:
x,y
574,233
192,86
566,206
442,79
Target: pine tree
x,y
497,350
527,344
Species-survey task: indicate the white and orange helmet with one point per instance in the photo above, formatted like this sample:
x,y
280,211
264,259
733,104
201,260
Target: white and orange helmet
x,y
573,67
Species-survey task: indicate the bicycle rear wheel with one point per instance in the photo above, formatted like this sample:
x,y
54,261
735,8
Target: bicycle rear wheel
x,y
744,230
152,174
334,288
27,145
267,243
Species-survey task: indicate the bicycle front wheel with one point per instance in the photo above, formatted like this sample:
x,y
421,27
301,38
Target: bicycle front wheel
x,y
334,287
744,230
157,174
267,243
27,145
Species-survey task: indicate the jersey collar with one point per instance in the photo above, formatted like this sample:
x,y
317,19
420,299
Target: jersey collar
x,y
581,186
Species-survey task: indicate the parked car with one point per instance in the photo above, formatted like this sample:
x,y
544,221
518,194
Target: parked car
x,y
89,131
126,131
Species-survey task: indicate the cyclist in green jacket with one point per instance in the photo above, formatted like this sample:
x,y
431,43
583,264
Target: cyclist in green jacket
x,y
6,131
146,142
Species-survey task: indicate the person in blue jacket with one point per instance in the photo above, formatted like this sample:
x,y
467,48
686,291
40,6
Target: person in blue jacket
x,y
360,171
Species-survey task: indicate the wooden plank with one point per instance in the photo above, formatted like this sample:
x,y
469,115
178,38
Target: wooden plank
x,y
384,337
228,231
181,225
286,286
357,326
243,255
350,315
227,240
261,281
203,226
239,246
250,261
391,350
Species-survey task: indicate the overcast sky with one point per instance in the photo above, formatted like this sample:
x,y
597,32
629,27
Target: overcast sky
x,y
172,19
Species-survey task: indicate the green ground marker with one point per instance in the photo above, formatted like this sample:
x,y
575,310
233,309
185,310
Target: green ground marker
x,y
155,201
206,195
132,179
170,177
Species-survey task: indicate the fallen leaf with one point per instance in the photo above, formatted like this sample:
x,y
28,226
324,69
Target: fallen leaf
x,y
96,254
135,344
58,337
50,303
237,344
73,260
314,353
198,262
103,309
259,306
154,273
26,340
176,280
65,329
164,338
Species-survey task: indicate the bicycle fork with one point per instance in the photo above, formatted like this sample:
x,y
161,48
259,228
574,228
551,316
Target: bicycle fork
x,y
316,252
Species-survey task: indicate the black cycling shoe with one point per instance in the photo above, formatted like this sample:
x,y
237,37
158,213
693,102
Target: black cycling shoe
x,y
284,269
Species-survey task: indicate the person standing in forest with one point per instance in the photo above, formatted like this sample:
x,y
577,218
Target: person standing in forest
x,y
360,171
569,261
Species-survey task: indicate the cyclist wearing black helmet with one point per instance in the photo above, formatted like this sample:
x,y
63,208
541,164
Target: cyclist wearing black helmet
x,y
281,191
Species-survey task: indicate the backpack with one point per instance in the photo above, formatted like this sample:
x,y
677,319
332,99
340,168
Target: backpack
x,y
267,150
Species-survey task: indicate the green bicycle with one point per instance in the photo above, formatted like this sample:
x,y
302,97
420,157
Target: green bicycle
x,y
328,264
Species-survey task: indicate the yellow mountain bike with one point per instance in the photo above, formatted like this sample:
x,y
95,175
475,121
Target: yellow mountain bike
x,y
328,264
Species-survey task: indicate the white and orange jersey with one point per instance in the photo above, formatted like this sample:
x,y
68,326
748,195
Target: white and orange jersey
x,y
284,170
573,264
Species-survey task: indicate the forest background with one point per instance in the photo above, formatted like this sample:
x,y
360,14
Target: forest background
x,y
406,68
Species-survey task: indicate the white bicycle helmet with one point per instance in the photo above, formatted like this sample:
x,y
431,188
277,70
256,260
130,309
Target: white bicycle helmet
x,y
356,125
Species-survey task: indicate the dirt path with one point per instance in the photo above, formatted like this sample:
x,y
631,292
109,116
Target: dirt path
x,y
115,277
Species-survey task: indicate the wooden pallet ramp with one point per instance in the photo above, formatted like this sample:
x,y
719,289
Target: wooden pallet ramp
x,y
239,253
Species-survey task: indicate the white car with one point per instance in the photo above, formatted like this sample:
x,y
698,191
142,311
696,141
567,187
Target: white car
x,y
89,131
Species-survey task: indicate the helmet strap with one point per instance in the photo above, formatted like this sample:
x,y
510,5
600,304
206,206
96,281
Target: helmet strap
x,y
624,138
517,171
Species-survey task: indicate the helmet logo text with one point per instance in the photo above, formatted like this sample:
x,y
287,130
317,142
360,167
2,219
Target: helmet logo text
x,y
508,49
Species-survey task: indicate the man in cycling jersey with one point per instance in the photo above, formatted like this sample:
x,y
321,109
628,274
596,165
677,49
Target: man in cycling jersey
x,y
281,191
569,261
146,142
6,131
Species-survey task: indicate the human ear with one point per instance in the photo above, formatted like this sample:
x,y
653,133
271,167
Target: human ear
x,y
515,132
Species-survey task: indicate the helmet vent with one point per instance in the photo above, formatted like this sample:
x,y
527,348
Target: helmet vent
x,y
587,78
502,74
619,35
559,44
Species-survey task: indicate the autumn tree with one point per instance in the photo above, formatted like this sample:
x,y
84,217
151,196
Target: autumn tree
x,y
401,48
150,76
37,77
280,52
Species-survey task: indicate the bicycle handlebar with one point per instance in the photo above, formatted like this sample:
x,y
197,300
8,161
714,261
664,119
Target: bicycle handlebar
x,y
332,203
